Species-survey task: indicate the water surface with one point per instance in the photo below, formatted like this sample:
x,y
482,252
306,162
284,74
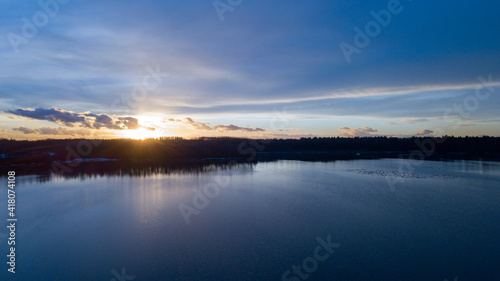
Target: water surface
x,y
439,220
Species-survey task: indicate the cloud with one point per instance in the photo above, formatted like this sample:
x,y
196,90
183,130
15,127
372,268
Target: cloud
x,y
368,130
219,128
105,121
414,121
360,132
391,123
85,120
230,127
25,130
407,121
53,114
424,132
200,126
197,125
54,131
173,120
45,131
130,122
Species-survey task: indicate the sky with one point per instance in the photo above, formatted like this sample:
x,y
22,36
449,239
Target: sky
x,y
259,69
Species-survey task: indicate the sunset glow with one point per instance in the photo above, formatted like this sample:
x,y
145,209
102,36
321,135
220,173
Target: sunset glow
x,y
141,134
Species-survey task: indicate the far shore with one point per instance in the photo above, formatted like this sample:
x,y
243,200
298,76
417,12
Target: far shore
x,y
71,157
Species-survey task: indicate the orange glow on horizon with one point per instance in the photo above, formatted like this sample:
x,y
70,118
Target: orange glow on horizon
x,y
141,134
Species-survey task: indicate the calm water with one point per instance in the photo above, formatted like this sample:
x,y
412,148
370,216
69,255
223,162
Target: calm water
x,y
439,221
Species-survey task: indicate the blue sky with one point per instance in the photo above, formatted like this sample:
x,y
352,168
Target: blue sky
x,y
255,69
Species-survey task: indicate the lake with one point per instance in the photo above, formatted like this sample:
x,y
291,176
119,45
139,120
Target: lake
x,y
283,220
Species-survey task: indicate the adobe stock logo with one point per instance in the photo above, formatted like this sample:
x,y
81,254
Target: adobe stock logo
x,y
39,19
221,8
310,264
372,29
121,277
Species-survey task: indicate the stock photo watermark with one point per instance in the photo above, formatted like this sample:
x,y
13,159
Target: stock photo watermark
x,y
30,28
310,264
222,7
11,221
372,29
123,276
83,149
427,146
150,82
202,196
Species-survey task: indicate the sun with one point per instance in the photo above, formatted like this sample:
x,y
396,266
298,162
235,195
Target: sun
x,y
141,134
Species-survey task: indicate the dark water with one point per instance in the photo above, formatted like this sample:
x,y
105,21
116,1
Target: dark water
x,y
439,221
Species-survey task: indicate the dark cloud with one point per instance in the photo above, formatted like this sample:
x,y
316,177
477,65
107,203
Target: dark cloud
x,y
130,122
85,120
53,114
105,121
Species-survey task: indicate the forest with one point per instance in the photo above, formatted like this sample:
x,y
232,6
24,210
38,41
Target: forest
x,y
67,156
